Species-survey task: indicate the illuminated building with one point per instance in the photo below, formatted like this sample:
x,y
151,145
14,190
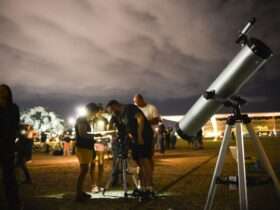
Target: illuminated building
x,y
265,124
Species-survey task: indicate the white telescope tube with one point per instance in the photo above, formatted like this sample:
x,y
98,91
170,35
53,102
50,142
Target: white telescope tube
x,y
252,56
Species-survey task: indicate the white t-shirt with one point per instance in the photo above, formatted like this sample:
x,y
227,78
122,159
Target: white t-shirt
x,y
150,111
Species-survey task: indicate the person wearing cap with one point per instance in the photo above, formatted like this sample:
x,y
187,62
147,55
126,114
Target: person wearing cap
x,y
85,150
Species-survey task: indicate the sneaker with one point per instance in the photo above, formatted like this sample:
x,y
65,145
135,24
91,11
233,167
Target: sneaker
x,y
137,192
148,195
95,189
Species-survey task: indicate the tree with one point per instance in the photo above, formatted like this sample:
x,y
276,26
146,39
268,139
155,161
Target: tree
x,y
43,120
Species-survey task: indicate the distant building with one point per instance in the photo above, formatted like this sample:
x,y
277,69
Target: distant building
x,y
265,124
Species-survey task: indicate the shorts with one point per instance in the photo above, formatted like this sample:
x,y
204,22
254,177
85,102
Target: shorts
x,y
85,156
141,151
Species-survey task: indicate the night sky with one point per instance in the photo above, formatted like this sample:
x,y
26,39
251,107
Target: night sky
x,y
62,53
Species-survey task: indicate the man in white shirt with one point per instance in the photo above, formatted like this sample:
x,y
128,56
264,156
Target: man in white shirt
x,y
149,110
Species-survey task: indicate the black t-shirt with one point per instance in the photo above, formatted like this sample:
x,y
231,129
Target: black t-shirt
x,y
9,127
128,118
84,140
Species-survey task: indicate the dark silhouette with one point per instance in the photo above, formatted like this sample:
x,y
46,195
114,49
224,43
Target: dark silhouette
x,y
24,151
85,151
9,126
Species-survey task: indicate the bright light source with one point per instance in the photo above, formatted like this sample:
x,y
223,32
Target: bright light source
x,y
81,111
71,121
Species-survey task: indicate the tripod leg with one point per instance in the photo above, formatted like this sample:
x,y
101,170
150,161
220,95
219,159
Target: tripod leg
x,y
110,179
263,158
218,167
242,182
124,176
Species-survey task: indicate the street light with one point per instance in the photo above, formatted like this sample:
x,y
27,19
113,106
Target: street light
x,y
81,111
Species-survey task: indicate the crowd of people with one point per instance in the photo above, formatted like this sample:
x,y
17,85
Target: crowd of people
x,y
137,126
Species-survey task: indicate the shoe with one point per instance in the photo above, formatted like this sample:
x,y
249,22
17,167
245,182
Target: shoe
x,y
137,192
95,189
148,195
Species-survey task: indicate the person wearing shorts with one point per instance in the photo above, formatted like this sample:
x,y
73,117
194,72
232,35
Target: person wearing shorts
x,y
140,134
152,114
100,124
85,150
141,151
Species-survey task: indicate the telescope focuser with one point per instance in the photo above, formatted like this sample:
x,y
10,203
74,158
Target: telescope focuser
x,y
243,37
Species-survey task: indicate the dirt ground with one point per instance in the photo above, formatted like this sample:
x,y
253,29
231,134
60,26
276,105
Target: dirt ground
x,y
182,178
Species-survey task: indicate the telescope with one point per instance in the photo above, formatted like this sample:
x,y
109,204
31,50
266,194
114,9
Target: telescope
x,y
252,56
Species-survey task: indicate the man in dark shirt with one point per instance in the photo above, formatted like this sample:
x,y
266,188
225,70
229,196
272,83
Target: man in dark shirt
x,y
9,125
85,149
140,135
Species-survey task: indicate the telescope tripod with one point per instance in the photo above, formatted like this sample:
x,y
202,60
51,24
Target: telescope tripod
x,y
236,120
122,169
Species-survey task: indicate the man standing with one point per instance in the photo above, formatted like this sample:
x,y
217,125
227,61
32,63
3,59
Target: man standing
x,y
85,150
140,135
9,125
153,116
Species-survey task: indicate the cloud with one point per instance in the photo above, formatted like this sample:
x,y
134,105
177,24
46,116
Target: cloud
x,y
114,48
